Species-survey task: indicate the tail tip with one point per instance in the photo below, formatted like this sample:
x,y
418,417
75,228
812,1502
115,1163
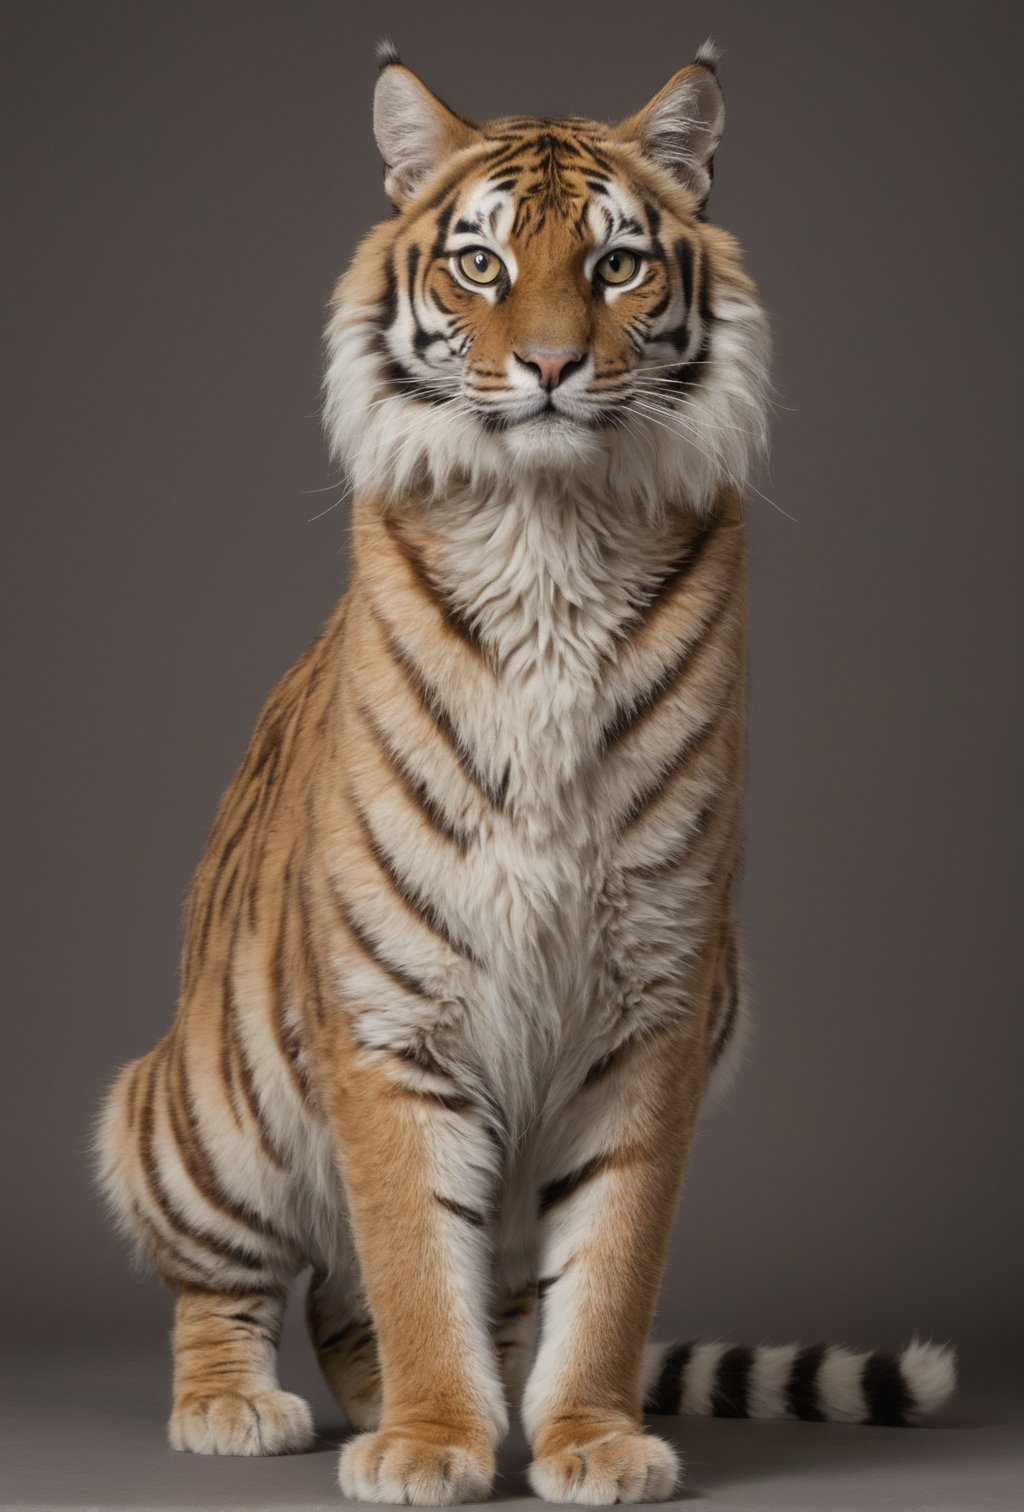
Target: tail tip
x,y
929,1370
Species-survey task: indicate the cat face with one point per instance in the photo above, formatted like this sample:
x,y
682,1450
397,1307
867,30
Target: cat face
x,y
552,287
549,292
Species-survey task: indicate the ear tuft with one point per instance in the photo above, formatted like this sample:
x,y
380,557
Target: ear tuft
x,y
681,127
387,53
415,131
709,55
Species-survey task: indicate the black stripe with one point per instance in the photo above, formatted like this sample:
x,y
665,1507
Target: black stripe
x,y
389,300
240,1059
662,779
545,1284
632,712
690,373
441,236
197,1160
666,1395
888,1398
467,1214
725,1034
286,1035
339,1336
732,1380
802,1386
244,1258
666,585
368,945
431,702
652,871
684,257
414,788
563,1187
422,908
455,621
419,1055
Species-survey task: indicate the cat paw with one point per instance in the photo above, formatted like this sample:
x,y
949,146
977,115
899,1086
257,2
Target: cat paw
x,y
397,1467
620,1467
268,1422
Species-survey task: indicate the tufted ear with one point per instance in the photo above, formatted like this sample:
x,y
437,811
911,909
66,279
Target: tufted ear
x,y
681,127
415,130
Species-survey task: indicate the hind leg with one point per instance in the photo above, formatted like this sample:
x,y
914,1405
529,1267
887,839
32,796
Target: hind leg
x,y
226,1396
343,1336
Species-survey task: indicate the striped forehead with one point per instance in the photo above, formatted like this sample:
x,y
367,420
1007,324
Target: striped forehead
x,y
550,180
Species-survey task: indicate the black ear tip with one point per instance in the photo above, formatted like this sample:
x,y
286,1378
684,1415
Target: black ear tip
x,y
709,56
387,54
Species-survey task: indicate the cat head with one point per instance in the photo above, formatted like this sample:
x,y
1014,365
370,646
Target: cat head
x,y
548,300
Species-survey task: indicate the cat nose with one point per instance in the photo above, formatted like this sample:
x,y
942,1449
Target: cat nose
x,y
550,366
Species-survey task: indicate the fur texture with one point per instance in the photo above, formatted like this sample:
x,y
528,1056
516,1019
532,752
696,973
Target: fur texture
x,y
461,960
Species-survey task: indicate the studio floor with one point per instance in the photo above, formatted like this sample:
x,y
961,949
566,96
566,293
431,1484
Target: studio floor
x,y
87,1431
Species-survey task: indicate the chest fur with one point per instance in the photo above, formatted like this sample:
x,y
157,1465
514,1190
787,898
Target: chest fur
x,y
584,669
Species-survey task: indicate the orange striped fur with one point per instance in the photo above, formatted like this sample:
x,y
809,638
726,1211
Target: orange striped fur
x,y
460,957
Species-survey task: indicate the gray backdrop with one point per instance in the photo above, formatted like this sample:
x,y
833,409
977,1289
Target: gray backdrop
x,y
188,179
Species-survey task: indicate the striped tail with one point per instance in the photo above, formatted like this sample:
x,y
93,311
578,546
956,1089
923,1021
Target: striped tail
x,y
825,1383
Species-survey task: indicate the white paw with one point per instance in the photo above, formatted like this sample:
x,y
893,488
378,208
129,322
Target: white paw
x,y
620,1467
268,1422
401,1469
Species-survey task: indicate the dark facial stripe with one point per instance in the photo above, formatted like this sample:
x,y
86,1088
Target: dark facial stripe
x,y
684,257
690,373
430,701
888,1398
368,945
564,1187
414,789
802,1386
422,908
444,217
732,1381
467,1214
666,1395
453,619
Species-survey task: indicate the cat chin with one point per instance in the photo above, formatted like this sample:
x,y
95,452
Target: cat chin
x,y
552,442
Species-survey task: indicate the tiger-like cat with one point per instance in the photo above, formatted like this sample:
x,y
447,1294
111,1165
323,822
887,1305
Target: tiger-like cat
x,y
461,959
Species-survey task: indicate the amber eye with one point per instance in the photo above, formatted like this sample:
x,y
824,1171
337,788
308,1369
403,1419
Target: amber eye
x,y
617,267
480,266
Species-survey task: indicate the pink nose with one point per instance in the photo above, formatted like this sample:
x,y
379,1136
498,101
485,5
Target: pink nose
x,y
550,366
